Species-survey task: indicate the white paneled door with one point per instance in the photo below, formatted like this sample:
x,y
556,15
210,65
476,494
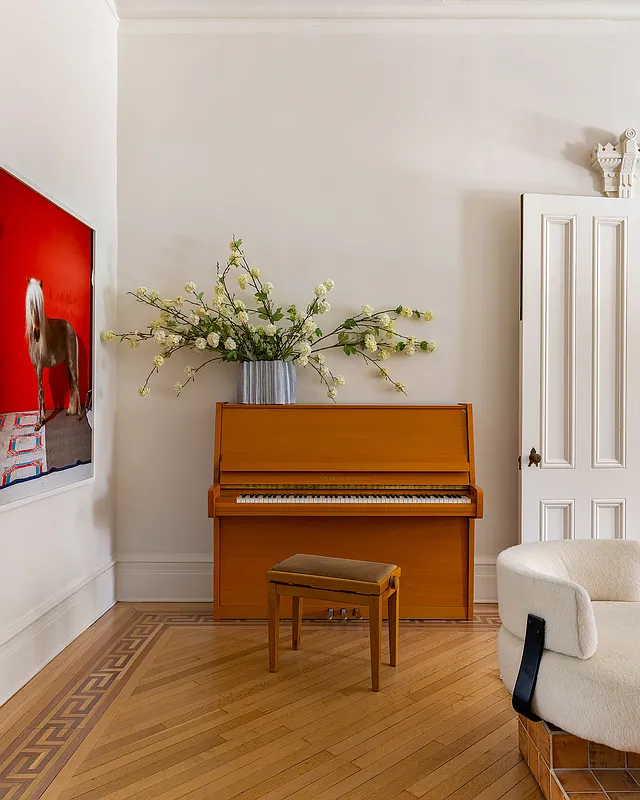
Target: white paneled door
x,y
580,380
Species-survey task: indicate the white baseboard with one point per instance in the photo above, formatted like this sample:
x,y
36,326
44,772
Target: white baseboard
x,y
486,581
37,638
160,577
185,577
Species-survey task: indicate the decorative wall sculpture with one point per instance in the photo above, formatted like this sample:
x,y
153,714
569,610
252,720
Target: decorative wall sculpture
x,y
618,163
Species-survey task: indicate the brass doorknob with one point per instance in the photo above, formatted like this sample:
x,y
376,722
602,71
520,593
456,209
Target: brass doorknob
x,y
534,458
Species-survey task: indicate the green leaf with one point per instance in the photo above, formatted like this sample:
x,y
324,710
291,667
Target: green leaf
x,y
349,349
200,295
318,332
424,345
263,316
278,316
398,309
401,346
349,323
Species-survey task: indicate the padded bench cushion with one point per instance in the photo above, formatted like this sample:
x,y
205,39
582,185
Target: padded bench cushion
x,y
340,568
596,698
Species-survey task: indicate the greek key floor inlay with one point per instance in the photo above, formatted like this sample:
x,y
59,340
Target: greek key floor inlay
x,y
38,753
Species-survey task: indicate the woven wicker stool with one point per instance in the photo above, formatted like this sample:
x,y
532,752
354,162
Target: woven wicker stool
x,y
362,583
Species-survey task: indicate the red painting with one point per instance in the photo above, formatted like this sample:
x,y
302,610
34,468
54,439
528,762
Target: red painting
x,y
46,267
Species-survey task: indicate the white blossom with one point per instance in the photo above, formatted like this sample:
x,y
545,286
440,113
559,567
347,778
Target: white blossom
x,y
428,316
323,306
270,329
176,339
200,343
367,310
268,287
141,291
339,380
332,393
160,337
188,371
309,325
229,344
370,343
190,287
153,296
109,336
158,361
329,284
216,302
177,387
166,303
218,288
194,319
410,350
385,320
305,348
243,317
406,312
133,343
143,391
201,311
320,358
382,373
323,370
255,272
320,290
431,346
243,281
178,301
384,353
213,339
302,361
239,305
400,387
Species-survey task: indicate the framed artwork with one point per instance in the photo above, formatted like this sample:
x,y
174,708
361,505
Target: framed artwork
x,y
46,346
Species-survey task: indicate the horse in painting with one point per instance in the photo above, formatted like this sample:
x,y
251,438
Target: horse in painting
x,y
51,341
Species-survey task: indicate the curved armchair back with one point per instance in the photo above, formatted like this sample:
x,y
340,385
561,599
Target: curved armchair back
x,y
558,580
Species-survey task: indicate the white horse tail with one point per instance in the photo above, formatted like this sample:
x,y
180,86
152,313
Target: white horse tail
x,y
34,306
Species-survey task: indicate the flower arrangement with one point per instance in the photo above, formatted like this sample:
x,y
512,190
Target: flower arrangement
x,y
226,327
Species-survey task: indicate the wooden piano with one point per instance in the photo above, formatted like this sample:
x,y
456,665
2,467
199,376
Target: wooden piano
x,y
377,483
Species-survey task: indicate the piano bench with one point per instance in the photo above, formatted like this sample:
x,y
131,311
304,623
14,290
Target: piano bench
x,y
360,583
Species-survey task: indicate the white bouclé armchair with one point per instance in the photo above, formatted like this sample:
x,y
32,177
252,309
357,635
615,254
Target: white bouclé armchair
x,y
587,593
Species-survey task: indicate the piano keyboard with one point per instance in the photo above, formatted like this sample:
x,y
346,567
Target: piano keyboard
x,y
353,498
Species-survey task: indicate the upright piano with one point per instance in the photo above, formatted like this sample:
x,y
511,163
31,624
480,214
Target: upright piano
x,y
394,484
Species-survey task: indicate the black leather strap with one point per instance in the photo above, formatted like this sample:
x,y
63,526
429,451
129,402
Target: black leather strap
x,y
529,666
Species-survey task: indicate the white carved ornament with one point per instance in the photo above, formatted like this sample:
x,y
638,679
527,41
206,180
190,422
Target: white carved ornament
x,y
618,163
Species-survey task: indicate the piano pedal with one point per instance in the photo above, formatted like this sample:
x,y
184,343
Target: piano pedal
x,y
343,613
330,613
356,613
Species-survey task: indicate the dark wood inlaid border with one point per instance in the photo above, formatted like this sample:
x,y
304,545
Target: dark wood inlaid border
x,y
39,752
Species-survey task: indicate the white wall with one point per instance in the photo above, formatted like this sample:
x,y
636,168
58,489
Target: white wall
x,y
58,63
389,156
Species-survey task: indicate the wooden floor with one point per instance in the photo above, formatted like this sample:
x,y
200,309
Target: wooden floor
x,y
155,702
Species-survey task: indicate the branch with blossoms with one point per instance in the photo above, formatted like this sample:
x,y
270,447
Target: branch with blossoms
x,y
231,328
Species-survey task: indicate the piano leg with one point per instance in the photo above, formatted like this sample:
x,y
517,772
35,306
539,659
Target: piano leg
x,y
296,622
375,636
394,619
274,624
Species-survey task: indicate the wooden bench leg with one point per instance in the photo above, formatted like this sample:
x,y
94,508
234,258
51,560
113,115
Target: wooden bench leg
x,y
375,636
274,624
394,619
296,622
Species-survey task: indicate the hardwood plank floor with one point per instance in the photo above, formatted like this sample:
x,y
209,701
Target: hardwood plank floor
x,y
155,701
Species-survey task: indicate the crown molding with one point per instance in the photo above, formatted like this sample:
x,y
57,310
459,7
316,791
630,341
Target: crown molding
x,y
379,9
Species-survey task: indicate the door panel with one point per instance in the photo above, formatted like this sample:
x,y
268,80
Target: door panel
x,y
578,406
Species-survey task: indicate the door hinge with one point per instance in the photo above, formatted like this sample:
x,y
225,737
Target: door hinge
x,y
519,462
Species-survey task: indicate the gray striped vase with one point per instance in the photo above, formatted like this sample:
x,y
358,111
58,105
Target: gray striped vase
x,y
267,382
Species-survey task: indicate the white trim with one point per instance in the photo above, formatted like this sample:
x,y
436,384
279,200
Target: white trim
x,y
188,577
111,8
379,9
39,636
165,577
486,582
